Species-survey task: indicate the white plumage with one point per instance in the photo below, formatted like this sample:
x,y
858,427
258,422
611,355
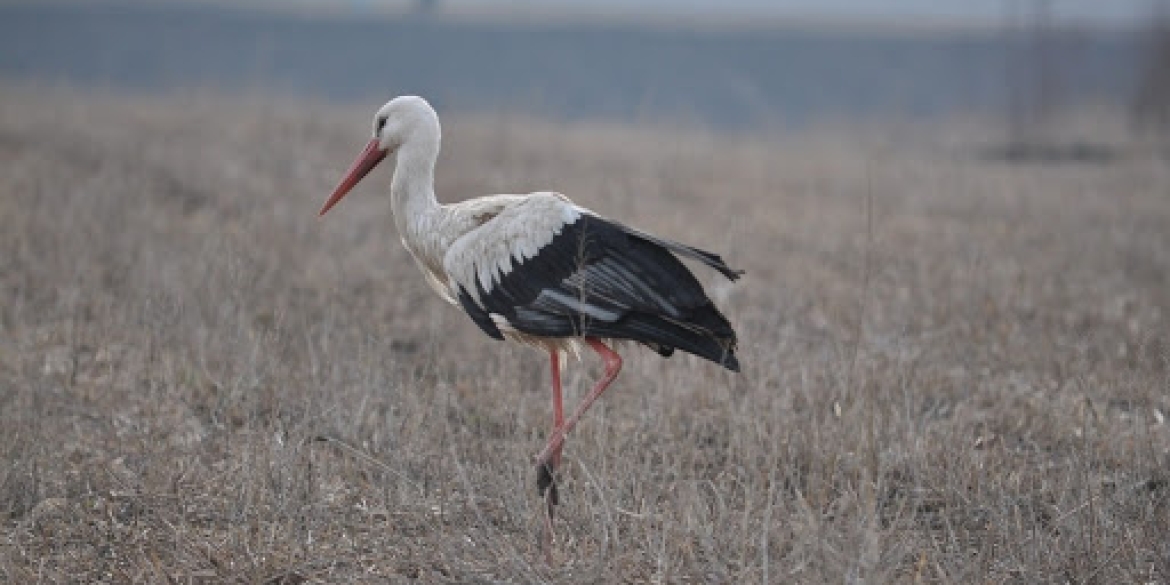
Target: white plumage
x,y
520,228
540,270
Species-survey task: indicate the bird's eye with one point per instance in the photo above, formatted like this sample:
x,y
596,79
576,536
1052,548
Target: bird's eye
x,y
379,124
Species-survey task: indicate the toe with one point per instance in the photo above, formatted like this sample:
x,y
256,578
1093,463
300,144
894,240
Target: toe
x,y
546,481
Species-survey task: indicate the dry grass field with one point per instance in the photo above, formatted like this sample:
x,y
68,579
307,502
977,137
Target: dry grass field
x,y
955,370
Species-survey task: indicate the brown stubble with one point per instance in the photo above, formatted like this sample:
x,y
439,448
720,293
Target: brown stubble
x,y
954,370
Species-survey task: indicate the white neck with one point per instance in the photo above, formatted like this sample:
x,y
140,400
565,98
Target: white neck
x,y
412,191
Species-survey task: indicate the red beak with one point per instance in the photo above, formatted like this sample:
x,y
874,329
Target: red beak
x,y
366,161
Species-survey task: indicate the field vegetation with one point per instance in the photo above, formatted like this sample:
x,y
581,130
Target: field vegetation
x,y
955,370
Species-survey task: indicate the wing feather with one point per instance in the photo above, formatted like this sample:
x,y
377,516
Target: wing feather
x,y
544,267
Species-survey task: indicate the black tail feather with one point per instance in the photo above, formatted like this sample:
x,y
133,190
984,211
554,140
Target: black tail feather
x,y
659,332
709,258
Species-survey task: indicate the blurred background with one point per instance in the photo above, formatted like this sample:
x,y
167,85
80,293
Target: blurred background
x,y
747,64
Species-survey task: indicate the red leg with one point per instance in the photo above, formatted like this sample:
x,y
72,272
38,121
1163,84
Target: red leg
x,y
550,457
545,480
613,365
557,401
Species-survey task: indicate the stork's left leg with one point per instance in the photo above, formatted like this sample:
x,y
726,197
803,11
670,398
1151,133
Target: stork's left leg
x,y
613,364
544,480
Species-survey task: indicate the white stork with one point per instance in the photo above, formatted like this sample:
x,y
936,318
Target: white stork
x,y
541,271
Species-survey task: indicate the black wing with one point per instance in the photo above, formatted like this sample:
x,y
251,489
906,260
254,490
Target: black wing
x,y
599,278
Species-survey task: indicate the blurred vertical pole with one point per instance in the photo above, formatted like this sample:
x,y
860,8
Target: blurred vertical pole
x,y
425,8
1030,71
1042,63
1013,75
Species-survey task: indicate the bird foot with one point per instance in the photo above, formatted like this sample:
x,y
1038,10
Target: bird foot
x,y
548,539
546,484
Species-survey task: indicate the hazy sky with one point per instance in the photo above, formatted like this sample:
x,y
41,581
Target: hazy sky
x,y
1109,12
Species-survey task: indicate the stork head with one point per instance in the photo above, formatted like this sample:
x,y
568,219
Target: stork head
x,y
404,119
